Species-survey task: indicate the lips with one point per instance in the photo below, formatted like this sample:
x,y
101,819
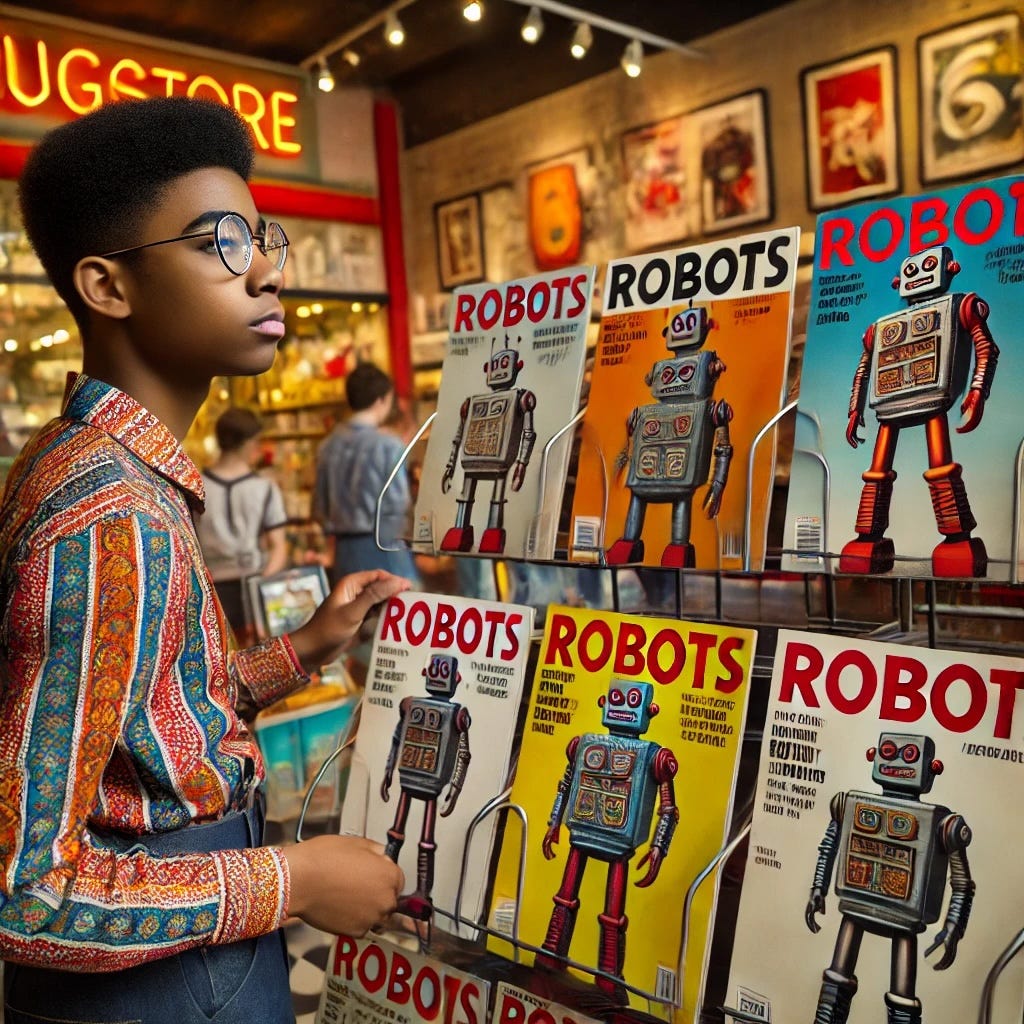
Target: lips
x,y
271,325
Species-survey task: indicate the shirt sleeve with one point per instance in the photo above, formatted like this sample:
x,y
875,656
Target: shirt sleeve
x,y
86,626
274,514
396,500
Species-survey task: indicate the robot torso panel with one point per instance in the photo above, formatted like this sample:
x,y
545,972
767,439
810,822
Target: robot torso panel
x,y
428,746
494,428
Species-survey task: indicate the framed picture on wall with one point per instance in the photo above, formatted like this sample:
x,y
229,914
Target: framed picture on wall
x,y
460,241
557,192
730,141
971,94
851,129
661,194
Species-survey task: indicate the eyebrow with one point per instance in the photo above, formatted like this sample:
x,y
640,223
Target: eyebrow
x,y
210,218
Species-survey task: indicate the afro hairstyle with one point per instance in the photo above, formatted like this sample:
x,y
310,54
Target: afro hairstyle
x,y
88,184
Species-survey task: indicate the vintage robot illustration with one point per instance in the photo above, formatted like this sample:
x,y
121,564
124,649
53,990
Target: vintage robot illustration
x,y
607,800
670,443
915,365
496,437
430,748
894,853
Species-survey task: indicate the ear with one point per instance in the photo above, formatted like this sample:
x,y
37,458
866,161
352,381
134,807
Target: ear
x,y
101,285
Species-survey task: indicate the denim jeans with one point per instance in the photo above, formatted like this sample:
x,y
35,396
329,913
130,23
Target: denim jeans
x,y
240,983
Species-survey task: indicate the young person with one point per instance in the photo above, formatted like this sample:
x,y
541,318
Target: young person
x,y
132,883
353,465
241,530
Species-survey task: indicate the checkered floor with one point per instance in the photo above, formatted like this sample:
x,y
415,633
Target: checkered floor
x,y
308,950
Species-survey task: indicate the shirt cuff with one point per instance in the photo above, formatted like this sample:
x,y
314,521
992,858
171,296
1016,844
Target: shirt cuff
x,y
270,670
257,890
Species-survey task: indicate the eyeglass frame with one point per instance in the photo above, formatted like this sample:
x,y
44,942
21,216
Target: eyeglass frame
x,y
259,240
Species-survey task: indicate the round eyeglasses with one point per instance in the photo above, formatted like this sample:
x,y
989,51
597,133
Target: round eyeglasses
x,y
234,241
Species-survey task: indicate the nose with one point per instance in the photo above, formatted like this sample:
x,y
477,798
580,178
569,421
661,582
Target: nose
x,y
263,274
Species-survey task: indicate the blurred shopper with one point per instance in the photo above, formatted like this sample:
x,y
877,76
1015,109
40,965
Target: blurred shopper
x,y
241,530
133,883
353,465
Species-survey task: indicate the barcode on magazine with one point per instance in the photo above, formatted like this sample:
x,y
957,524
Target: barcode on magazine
x,y
586,532
808,537
505,917
665,984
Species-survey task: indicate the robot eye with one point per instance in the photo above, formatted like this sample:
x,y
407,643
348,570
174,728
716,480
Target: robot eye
x,y
929,263
617,697
910,270
678,323
888,750
635,697
911,753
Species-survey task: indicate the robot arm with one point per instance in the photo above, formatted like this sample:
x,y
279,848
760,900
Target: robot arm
x,y
389,767
622,457
558,810
974,317
955,836
449,469
664,767
462,723
859,394
527,402
827,852
721,413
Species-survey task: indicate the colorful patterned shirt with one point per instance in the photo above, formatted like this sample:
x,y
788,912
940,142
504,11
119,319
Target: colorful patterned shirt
x,y
118,682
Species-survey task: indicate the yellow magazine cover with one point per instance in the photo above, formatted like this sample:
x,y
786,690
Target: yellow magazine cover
x,y
626,775
690,366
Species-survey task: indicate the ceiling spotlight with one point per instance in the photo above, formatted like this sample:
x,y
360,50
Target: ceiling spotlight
x,y
581,40
633,58
393,31
351,57
324,78
533,27
473,10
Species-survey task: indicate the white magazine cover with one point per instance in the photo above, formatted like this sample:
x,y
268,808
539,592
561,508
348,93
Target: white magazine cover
x,y
498,451
885,817
435,740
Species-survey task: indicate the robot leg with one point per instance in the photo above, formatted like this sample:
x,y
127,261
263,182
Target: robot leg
x,y
427,848
629,547
959,554
563,917
396,834
460,536
901,1004
838,982
613,922
871,551
492,541
680,554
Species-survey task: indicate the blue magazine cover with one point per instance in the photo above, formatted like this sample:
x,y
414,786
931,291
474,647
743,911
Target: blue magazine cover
x,y
909,423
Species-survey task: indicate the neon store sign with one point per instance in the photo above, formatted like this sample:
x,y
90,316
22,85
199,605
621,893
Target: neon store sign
x,y
47,75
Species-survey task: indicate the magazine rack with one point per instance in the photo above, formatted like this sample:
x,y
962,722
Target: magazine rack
x,y
988,992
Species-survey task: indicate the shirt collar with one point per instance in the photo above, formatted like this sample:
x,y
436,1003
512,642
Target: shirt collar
x,y
119,415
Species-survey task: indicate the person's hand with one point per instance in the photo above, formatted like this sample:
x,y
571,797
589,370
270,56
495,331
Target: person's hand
x,y
342,884
338,619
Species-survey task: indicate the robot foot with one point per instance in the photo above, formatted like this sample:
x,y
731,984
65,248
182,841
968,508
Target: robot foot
x,y
902,1009
864,555
458,538
679,556
623,551
492,541
834,1001
964,557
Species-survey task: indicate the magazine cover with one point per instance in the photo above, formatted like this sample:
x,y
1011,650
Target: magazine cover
x,y
909,409
634,726
884,875
690,367
514,1005
374,981
434,745
510,383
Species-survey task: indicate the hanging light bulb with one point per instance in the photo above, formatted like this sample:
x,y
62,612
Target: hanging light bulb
x,y
473,10
324,78
581,40
633,58
393,31
533,27
351,57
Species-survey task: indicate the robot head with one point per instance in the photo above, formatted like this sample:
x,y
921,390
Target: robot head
x,y
687,327
926,274
904,762
628,707
442,674
503,367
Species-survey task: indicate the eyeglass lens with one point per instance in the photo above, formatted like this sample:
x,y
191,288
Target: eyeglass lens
x,y
234,241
